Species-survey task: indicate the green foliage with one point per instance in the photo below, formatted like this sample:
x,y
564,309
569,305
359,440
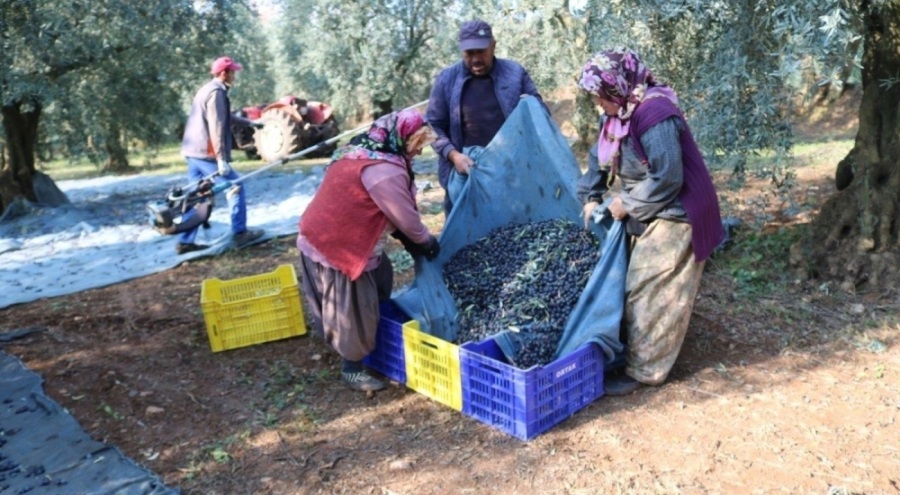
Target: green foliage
x,y
718,57
586,123
87,65
543,36
113,73
285,385
401,260
245,41
369,57
758,262
109,411
220,455
216,451
738,67
284,388
364,57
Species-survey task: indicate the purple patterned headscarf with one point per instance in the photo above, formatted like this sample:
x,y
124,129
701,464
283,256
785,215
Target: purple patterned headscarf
x,y
620,76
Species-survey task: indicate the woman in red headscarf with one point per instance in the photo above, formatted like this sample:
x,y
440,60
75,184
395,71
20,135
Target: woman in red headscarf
x,y
367,193
667,200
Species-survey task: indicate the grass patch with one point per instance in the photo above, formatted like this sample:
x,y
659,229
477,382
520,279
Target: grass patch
x,y
758,262
163,161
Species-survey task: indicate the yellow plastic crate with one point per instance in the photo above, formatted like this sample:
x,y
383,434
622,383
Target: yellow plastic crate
x,y
252,310
432,366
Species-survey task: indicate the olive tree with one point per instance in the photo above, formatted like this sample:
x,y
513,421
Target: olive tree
x,y
46,43
720,57
366,57
370,57
855,236
107,108
738,67
242,36
91,76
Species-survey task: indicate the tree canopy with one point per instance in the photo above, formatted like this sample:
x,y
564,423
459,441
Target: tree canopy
x,y
95,77
740,68
366,57
737,67
89,77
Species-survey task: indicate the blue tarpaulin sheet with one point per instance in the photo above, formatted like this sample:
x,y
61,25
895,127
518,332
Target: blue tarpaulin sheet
x,y
526,174
43,449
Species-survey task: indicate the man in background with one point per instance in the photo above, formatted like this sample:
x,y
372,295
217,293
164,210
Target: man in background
x,y
471,99
206,146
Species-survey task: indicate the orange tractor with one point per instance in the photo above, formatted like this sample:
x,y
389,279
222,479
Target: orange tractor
x,y
290,125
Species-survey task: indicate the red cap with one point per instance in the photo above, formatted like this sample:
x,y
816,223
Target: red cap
x,y
224,63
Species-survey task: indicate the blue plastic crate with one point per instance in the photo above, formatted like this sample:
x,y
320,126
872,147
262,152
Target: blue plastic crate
x,y
526,403
388,357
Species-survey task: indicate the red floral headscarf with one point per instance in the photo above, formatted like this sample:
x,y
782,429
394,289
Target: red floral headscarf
x,y
386,139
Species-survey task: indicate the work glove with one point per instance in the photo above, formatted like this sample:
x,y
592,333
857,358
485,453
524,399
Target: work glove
x,y
232,192
224,168
429,249
411,247
432,248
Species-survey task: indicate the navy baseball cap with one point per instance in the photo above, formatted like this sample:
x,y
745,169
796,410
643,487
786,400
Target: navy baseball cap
x,y
475,35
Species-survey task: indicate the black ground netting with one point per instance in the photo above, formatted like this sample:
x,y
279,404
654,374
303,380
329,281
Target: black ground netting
x,y
43,449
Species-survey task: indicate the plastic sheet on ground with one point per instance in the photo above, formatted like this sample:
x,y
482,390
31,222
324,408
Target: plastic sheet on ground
x,y
43,449
526,174
104,236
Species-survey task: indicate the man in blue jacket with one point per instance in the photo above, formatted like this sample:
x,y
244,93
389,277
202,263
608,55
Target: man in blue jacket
x,y
471,99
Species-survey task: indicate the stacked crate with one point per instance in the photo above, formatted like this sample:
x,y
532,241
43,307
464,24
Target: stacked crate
x,y
389,358
476,378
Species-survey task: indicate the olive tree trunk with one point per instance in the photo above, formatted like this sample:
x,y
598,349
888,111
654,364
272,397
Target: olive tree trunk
x,y
18,177
855,237
116,151
21,130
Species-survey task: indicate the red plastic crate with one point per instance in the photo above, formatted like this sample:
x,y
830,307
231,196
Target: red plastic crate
x,y
388,358
526,403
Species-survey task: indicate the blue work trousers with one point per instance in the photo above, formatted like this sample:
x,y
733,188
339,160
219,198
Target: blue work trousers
x,y
198,168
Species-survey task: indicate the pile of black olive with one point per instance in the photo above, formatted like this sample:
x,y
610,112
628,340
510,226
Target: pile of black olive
x,y
526,278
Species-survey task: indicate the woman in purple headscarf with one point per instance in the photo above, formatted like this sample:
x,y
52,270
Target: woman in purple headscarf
x,y
667,200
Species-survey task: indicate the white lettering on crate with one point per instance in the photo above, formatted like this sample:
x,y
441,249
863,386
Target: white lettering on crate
x,y
566,370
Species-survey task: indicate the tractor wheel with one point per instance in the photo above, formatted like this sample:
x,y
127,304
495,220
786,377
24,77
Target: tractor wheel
x,y
279,137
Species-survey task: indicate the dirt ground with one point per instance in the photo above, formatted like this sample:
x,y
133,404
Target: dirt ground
x,y
792,388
